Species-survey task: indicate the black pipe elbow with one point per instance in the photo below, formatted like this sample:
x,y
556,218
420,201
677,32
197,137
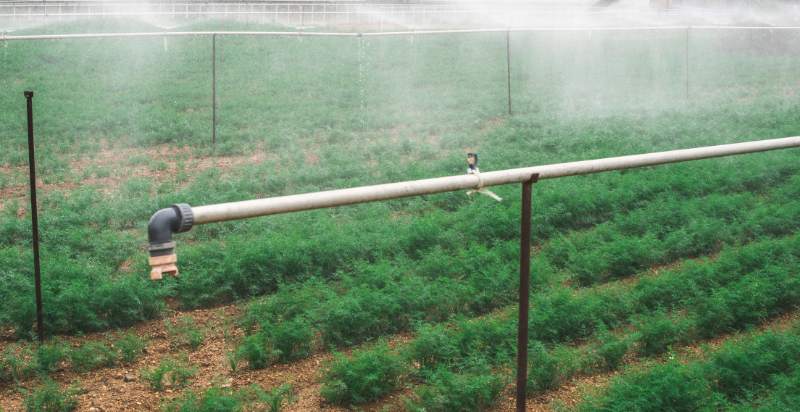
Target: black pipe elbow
x,y
165,222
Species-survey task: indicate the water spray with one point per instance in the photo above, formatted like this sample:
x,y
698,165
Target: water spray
x,y
472,169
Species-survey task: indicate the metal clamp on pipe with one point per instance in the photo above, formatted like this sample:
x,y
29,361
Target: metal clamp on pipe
x,y
165,222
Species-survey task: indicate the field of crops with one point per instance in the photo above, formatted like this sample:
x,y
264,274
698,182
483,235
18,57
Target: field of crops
x,y
662,288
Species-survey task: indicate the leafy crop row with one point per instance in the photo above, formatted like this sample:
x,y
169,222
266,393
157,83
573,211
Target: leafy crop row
x,y
19,362
730,375
386,297
562,315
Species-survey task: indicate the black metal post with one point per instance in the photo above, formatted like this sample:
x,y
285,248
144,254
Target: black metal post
x,y
214,89
524,292
37,271
686,62
508,68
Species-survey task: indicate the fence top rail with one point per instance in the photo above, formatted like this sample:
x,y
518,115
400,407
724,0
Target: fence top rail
x,y
364,194
4,36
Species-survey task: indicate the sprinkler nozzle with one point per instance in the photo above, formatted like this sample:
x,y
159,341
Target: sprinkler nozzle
x,y
472,163
161,265
165,222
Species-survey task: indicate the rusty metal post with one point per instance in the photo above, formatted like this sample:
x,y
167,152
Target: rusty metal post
x,y
524,292
37,271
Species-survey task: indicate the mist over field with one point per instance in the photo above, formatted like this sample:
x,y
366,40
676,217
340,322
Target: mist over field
x,y
655,288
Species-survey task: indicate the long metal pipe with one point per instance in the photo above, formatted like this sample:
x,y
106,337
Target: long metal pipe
x,y
332,198
5,37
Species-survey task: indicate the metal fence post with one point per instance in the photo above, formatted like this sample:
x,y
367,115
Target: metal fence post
x,y
214,89
37,271
508,68
686,61
524,292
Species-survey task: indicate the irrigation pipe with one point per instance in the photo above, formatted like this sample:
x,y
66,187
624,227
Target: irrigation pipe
x,y
332,198
381,34
180,218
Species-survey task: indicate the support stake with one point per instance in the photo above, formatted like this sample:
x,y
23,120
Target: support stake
x,y
686,62
37,271
508,68
524,291
214,89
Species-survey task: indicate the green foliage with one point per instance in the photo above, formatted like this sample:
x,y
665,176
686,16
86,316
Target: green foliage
x,y
49,356
739,369
92,355
665,387
447,391
228,400
130,347
171,372
253,349
544,371
785,396
732,374
16,364
365,376
49,397
433,346
610,350
290,340
659,332
343,277
183,333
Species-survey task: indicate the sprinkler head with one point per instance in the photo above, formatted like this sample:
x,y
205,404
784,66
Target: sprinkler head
x,y
161,265
165,222
472,162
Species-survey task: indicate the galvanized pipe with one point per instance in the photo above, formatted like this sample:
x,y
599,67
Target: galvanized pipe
x,y
332,198
5,37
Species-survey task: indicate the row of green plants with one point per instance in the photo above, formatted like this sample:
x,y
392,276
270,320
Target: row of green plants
x,y
20,362
83,240
384,297
729,376
23,361
751,283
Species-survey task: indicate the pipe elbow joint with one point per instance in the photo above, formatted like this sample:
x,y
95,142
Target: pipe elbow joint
x,y
175,219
